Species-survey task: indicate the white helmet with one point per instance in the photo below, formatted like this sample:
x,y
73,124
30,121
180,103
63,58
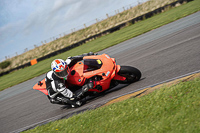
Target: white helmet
x,y
60,68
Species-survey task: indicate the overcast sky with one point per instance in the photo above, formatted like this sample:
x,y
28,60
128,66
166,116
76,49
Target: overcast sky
x,y
24,23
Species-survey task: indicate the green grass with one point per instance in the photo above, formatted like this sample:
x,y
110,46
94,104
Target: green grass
x,y
102,42
174,109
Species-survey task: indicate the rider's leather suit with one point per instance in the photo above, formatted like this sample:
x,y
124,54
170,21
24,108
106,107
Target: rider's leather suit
x,y
58,93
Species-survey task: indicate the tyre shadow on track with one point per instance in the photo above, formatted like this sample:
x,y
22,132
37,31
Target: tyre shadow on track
x,y
89,99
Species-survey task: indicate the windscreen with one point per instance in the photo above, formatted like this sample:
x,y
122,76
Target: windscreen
x,y
91,64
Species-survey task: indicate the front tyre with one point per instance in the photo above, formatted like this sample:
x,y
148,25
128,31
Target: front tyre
x,y
132,74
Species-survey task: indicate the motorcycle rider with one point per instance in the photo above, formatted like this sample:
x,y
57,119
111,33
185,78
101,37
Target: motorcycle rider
x,y
56,79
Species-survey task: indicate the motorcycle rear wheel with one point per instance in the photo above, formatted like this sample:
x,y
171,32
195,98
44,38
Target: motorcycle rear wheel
x,y
132,74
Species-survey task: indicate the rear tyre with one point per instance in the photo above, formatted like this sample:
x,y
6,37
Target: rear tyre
x,y
132,74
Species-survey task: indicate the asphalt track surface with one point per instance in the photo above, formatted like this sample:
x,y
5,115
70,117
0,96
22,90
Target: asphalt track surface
x,y
161,54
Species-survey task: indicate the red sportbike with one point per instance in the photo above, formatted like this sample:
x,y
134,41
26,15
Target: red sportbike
x,y
99,69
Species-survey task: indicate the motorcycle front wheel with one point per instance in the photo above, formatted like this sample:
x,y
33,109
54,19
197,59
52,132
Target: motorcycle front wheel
x,y
132,74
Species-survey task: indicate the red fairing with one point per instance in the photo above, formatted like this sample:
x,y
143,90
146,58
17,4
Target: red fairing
x,y
102,68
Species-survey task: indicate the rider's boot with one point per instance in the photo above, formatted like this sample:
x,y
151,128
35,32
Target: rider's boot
x,y
72,101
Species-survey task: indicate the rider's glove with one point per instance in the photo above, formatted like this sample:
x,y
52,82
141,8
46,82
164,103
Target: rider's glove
x,y
84,89
88,86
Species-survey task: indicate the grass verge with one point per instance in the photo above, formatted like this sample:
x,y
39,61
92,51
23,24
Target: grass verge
x,y
102,43
79,35
169,109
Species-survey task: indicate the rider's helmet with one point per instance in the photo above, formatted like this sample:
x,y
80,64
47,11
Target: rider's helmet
x,y
60,68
